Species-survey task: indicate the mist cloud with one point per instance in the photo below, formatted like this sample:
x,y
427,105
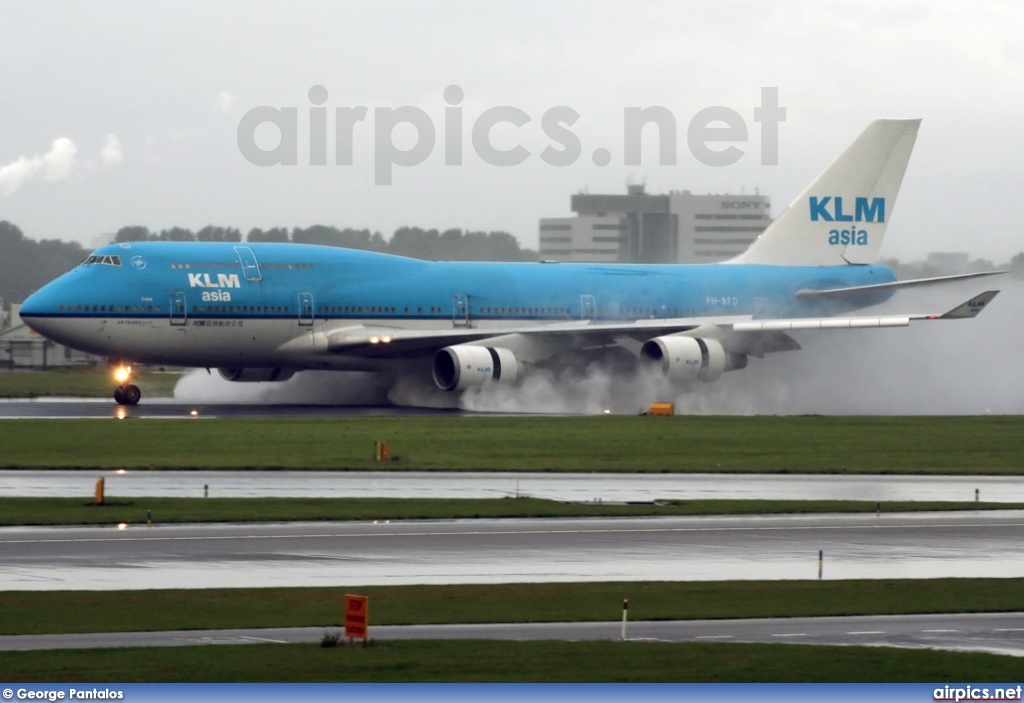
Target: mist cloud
x,y
958,367
55,165
306,388
224,100
58,164
111,152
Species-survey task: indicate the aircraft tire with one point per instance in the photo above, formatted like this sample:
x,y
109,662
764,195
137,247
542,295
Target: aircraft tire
x,y
131,395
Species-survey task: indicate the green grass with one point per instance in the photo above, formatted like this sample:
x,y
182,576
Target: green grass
x,y
82,511
924,445
42,612
481,661
80,383
469,661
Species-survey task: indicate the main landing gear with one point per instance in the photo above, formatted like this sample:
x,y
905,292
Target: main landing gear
x,y
126,393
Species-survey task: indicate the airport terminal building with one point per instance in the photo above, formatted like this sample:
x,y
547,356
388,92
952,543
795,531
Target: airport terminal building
x,y
639,227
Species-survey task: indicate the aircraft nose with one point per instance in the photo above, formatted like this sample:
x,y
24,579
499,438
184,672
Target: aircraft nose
x,y
39,309
32,306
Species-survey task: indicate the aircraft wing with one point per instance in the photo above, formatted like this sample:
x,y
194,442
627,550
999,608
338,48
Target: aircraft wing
x,y
854,291
738,333
386,341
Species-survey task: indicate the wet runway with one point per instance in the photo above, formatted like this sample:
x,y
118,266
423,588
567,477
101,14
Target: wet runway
x,y
489,551
582,487
98,408
999,633
565,487
982,544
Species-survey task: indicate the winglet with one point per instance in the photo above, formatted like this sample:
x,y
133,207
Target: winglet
x,y
972,307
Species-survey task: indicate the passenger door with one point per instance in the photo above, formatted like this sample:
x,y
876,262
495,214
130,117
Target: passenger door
x,y
178,309
306,309
460,310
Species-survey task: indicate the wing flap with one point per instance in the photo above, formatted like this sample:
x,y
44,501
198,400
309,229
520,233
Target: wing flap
x,y
967,309
855,291
826,323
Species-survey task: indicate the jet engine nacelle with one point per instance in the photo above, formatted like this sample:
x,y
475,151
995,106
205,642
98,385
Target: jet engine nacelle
x,y
465,365
255,375
690,358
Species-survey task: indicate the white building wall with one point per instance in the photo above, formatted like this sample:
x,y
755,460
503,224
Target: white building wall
x,y
585,238
676,228
717,227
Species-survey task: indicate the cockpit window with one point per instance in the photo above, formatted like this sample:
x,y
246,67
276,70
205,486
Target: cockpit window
x,y
104,260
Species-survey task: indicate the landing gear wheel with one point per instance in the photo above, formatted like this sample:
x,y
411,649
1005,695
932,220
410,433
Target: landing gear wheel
x,y
127,395
132,395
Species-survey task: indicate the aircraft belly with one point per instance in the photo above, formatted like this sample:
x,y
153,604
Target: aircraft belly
x,y
198,342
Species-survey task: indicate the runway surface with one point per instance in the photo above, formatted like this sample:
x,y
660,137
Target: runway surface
x,y
998,633
566,487
98,408
582,487
974,544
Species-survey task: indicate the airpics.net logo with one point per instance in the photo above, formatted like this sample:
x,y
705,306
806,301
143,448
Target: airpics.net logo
x,y
715,135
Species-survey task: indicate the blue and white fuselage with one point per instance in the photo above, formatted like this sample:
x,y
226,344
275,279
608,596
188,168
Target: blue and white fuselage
x,y
261,311
197,304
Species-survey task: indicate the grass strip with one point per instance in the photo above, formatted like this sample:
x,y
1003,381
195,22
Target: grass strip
x,y
87,383
435,661
46,612
909,445
114,511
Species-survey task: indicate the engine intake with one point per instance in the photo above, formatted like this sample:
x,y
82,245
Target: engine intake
x,y
690,358
255,375
465,365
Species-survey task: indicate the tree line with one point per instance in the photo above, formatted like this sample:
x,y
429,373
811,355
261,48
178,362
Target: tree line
x,y
430,244
27,264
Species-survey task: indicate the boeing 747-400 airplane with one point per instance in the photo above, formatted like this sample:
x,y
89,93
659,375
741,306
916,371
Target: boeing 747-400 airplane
x,y
261,312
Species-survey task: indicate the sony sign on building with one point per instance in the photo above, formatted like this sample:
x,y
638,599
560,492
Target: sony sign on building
x,y
638,227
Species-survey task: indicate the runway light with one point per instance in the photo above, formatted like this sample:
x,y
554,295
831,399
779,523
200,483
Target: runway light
x,y
607,411
194,413
121,472
122,525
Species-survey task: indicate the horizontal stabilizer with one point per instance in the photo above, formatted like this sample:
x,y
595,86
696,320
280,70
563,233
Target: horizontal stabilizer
x,y
854,291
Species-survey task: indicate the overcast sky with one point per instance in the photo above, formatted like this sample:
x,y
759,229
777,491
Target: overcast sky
x,y
118,113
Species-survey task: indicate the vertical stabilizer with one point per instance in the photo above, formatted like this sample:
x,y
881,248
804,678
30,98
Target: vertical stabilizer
x,y
841,217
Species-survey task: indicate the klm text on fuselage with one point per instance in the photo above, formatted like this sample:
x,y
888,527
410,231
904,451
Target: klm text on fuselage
x,y
223,280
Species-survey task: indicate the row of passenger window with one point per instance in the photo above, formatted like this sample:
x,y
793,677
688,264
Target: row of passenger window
x,y
228,265
371,310
108,308
206,265
243,309
366,309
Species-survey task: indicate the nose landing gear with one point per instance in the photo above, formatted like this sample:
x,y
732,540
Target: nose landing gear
x,y
126,393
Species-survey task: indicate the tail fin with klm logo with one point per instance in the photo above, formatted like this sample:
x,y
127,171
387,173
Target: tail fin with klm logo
x,y
841,217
